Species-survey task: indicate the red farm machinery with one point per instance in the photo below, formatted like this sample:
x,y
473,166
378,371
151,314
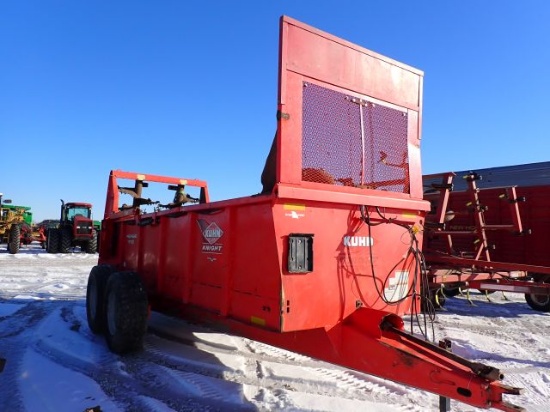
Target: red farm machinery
x,y
326,260
489,230
75,228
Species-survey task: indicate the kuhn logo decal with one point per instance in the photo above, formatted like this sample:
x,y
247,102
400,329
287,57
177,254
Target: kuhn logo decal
x,y
211,234
356,241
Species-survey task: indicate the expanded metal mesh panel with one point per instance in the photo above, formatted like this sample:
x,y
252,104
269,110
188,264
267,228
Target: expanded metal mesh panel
x,y
350,142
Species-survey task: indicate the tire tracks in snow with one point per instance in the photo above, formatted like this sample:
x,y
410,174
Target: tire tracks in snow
x,y
269,366
16,333
131,381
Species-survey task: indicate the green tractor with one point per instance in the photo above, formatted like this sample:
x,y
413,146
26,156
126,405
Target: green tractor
x,y
11,220
76,228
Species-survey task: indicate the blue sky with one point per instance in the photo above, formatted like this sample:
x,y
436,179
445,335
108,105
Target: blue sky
x,y
189,88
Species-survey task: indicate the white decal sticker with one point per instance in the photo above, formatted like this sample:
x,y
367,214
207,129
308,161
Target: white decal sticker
x,y
211,233
294,214
397,286
355,241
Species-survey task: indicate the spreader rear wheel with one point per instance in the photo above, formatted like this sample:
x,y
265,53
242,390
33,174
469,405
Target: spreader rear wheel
x,y
126,312
95,297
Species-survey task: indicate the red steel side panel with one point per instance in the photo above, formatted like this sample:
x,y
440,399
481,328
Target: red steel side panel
x,y
354,267
322,56
232,259
173,280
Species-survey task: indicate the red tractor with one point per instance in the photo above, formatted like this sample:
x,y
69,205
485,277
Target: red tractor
x,y
76,228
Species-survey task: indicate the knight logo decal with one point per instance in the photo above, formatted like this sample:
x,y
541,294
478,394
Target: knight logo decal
x,y
211,234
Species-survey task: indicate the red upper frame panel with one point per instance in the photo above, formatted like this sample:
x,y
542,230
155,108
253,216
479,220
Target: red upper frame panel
x,y
358,125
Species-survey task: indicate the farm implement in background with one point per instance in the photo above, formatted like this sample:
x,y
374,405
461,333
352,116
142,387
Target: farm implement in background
x,y
75,228
490,235
326,260
12,219
17,228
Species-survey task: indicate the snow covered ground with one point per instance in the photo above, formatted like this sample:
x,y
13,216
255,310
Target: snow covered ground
x,y
54,362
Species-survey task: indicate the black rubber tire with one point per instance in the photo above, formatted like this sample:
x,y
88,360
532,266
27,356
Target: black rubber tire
x,y
451,292
540,303
14,241
91,245
126,310
66,241
95,297
52,241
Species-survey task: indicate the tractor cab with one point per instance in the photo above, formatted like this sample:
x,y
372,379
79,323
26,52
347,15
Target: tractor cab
x,y
70,210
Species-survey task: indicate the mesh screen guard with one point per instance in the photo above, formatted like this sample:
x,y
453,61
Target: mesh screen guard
x,y
352,142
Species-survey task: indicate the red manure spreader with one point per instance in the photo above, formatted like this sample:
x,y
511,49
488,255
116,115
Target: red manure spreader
x,y
326,260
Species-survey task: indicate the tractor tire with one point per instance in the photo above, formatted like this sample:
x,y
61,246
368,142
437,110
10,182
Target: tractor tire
x,y
52,241
14,240
540,303
66,241
95,297
126,310
91,245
